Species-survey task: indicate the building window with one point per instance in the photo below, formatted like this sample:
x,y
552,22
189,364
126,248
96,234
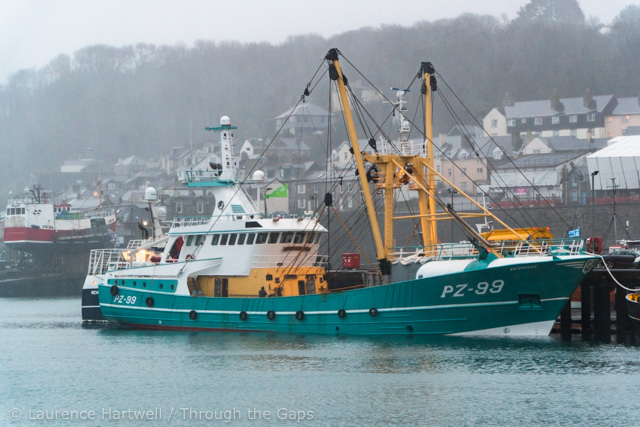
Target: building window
x,y
591,117
555,120
301,189
523,121
179,207
449,171
625,119
538,121
494,123
463,185
302,203
200,207
573,119
511,122
350,203
479,170
464,170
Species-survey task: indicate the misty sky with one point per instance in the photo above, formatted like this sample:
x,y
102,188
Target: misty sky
x,y
33,32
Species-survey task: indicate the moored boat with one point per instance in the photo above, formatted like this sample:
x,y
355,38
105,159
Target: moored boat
x,y
241,271
633,308
34,224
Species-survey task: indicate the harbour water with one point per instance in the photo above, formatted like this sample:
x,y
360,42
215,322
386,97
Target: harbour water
x,y
54,371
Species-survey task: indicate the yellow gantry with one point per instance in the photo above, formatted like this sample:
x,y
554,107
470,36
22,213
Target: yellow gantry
x,y
353,137
395,170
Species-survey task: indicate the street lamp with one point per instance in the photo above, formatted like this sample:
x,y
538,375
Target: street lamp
x,y
593,201
615,218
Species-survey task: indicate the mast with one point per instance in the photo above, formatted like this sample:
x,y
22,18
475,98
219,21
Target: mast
x,y
426,200
335,73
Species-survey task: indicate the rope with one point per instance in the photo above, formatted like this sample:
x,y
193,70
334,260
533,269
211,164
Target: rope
x,y
612,277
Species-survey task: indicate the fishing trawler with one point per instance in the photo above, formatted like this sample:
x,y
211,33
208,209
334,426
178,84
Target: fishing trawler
x,y
242,271
34,224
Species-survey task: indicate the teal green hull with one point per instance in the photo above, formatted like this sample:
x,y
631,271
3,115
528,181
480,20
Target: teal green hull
x,y
503,300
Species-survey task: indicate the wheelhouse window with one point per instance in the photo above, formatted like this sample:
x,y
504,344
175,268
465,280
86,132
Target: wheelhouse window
x,y
273,237
232,238
261,238
199,239
189,240
250,238
241,238
215,239
299,237
287,237
223,239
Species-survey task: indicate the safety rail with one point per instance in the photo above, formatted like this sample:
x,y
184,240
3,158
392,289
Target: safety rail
x,y
448,251
190,221
73,215
103,260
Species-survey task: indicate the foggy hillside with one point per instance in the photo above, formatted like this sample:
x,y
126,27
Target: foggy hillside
x,y
105,102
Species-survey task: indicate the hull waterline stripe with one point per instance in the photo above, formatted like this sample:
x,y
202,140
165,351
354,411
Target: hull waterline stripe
x,y
328,311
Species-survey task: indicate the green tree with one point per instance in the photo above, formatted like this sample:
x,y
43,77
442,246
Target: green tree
x,y
552,11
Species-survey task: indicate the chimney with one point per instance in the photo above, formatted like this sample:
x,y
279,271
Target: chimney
x,y
587,99
555,100
507,101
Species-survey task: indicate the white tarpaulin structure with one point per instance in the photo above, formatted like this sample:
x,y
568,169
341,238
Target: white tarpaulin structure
x,y
619,160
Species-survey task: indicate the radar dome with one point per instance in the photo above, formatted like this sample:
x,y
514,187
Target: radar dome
x,y
161,213
225,121
150,194
258,176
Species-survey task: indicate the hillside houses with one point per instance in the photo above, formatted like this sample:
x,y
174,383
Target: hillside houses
x,y
470,159
586,117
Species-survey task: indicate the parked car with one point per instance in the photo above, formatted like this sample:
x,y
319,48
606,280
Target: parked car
x,y
625,258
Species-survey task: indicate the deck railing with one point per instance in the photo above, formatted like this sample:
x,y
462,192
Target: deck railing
x,y
448,251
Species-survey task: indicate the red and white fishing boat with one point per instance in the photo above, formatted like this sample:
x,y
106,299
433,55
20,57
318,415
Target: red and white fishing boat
x,y
34,224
